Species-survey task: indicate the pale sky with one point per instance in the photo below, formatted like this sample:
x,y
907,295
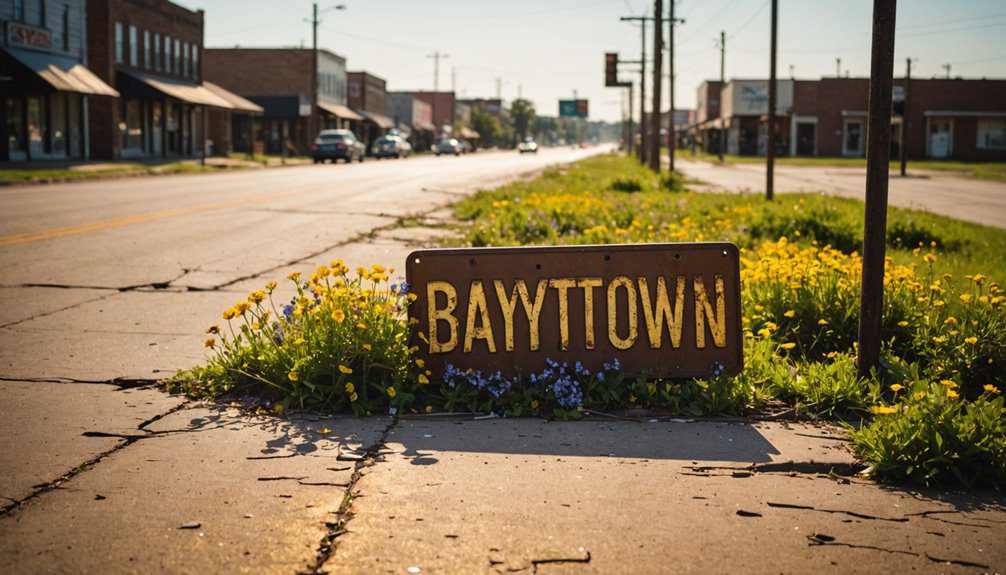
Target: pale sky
x,y
548,50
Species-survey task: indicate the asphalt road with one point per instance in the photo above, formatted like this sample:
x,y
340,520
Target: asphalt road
x,y
968,199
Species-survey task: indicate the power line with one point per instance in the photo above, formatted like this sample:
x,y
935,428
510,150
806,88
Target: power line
x,y
750,20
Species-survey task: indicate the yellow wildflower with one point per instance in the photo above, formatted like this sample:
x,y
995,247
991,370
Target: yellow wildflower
x,y
534,404
965,297
230,314
897,387
940,339
952,394
903,323
883,410
350,388
257,296
789,313
278,409
930,257
429,409
270,285
822,321
392,392
242,307
972,340
210,342
948,383
213,329
991,388
423,379
632,398
787,346
361,325
420,363
299,341
338,315
292,376
353,396
368,347
294,276
344,369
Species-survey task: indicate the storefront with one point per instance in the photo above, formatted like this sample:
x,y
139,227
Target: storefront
x,y
43,95
336,116
165,117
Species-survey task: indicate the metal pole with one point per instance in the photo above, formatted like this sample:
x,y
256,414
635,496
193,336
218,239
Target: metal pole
x,y
723,85
313,127
904,119
632,128
878,141
658,70
672,136
770,131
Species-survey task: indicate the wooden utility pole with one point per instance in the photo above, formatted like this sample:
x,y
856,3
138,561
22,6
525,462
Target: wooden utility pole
x,y
672,136
658,72
878,141
770,131
723,85
436,57
631,138
904,118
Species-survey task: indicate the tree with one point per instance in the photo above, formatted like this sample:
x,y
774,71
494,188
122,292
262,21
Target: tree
x,y
487,125
521,115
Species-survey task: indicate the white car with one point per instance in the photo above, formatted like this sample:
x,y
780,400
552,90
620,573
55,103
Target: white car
x,y
528,146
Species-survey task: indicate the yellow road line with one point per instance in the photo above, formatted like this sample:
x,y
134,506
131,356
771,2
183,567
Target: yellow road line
x,y
140,218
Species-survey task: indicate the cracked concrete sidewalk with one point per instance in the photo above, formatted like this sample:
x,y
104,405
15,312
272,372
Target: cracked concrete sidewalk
x,y
105,474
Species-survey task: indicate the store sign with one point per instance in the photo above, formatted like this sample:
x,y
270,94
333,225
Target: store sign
x,y
668,310
24,36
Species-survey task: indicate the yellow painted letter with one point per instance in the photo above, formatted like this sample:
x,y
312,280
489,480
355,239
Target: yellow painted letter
x,y
507,306
703,309
661,310
434,315
477,305
533,309
562,285
630,293
588,285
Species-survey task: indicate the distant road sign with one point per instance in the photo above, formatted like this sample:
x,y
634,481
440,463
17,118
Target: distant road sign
x,y
573,108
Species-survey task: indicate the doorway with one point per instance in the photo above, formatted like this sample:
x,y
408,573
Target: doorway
x,y
852,140
940,137
806,139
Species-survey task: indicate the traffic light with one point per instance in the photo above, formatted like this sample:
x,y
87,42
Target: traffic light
x,y
611,69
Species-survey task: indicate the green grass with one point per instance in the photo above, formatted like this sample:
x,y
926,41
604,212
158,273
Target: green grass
x,y
978,170
30,175
568,204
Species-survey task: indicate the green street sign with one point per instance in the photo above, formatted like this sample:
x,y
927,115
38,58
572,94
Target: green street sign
x,y
573,108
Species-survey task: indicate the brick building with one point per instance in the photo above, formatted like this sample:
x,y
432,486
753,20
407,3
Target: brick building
x,y
45,85
281,81
150,50
368,97
443,106
958,119
417,114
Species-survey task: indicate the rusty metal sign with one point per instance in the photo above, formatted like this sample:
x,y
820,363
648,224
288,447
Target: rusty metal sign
x,y
669,310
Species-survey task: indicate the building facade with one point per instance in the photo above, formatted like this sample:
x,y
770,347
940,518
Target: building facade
x,y
958,119
417,114
442,105
45,84
368,98
151,51
281,82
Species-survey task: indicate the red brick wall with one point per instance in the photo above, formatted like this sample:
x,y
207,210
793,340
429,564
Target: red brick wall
x,y
260,72
443,109
157,16
954,96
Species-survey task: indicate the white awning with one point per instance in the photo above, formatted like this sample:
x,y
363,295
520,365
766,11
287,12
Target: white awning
x,y
62,72
340,111
237,103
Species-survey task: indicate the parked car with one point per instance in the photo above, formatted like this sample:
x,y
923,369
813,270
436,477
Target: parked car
x,y
449,146
528,146
337,145
391,146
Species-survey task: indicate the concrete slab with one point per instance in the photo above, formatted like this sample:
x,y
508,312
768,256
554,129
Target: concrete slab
x,y
18,304
96,357
41,427
254,494
582,497
417,237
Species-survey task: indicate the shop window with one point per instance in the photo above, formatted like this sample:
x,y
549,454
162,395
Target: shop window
x,y
157,52
167,54
118,43
66,28
176,67
146,49
195,61
18,14
133,45
36,15
36,127
992,133
14,115
57,115
132,137
185,59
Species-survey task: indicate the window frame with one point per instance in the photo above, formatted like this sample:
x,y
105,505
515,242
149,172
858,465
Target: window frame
x,y
120,49
984,133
